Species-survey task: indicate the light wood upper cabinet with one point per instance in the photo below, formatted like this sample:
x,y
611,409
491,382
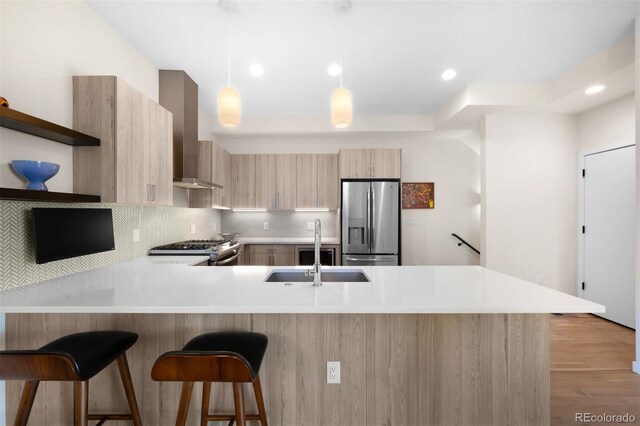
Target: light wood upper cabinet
x,y
134,162
265,182
285,182
214,163
226,191
276,181
203,198
355,163
307,181
386,163
243,181
370,163
328,181
160,155
317,181
221,163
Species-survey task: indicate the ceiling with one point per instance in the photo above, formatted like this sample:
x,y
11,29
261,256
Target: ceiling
x,y
393,51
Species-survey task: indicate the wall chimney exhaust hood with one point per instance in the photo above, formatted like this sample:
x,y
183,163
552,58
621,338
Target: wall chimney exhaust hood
x,y
179,94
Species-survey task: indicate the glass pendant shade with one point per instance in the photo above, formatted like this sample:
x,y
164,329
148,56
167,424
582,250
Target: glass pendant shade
x,y
341,108
229,107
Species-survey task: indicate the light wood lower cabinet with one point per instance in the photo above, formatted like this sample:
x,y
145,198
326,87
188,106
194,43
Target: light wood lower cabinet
x,y
270,255
397,369
134,162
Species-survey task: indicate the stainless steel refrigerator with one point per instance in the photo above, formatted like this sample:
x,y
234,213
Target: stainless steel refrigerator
x,y
370,222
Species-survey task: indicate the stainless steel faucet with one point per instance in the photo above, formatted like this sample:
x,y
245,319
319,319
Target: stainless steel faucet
x,y
316,271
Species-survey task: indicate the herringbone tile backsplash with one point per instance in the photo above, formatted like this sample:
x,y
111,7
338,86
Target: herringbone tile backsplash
x,y
158,225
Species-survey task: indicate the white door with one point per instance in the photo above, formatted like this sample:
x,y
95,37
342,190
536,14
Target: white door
x,y
609,233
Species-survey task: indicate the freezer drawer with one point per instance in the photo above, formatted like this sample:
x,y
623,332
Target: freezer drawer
x,y
369,260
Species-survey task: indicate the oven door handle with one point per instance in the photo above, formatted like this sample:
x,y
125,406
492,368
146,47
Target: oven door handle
x,y
228,259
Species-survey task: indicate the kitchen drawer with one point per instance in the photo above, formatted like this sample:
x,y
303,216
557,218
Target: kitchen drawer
x,y
272,259
271,248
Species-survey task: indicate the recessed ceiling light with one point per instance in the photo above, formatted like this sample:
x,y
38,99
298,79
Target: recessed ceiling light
x,y
256,70
449,74
334,70
592,90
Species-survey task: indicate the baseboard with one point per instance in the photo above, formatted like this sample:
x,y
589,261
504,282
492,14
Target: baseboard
x,y
636,367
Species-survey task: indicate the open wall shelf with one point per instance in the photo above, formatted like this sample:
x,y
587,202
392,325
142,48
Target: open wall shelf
x,y
25,123
54,197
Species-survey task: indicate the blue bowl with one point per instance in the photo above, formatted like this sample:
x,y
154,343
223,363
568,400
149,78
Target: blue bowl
x,y
36,172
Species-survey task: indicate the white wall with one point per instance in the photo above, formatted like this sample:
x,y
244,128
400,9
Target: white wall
x,y
43,45
451,164
607,124
530,172
636,366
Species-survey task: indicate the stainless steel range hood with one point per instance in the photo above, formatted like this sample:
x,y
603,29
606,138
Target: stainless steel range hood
x,y
179,94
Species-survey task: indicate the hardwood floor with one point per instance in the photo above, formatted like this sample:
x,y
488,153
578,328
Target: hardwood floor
x,y
591,368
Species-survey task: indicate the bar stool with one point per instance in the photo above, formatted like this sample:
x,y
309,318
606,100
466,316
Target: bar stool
x,y
216,357
73,358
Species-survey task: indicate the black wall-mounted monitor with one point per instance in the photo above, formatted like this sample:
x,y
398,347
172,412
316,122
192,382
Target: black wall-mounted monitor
x,y
65,233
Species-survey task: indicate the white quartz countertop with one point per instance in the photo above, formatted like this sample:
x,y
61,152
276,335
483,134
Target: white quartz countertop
x,y
153,285
286,240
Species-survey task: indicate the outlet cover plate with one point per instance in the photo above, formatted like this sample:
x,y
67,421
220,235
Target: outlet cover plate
x,y
333,372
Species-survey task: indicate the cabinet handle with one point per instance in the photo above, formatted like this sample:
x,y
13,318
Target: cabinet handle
x,y
153,192
148,192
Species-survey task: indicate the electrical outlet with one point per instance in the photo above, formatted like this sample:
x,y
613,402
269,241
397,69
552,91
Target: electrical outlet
x,y
265,226
311,226
540,279
193,228
411,222
136,235
333,372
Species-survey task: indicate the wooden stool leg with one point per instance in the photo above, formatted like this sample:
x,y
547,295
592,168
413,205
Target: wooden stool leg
x,y
125,375
81,403
238,400
257,388
206,396
26,402
185,398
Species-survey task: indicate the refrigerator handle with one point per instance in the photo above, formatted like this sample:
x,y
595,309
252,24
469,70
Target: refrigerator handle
x,y
371,228
369,219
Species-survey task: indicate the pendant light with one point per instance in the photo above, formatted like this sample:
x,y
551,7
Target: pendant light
x,y
229,100
341,104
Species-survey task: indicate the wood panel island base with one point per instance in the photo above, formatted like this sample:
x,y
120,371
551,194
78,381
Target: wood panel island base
x,y
409,369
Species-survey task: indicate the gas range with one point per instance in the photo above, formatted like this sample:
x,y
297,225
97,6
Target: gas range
x,y
220,252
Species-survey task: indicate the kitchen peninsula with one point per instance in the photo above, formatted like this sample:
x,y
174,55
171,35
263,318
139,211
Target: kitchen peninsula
x,y
418,344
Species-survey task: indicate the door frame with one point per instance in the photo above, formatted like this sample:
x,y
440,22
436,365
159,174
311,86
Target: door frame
x,y
625,143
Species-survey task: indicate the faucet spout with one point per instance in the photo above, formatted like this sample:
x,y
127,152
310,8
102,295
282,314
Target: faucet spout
x,y
317,267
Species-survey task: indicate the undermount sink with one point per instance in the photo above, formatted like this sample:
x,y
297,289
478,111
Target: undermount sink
x,y
328,276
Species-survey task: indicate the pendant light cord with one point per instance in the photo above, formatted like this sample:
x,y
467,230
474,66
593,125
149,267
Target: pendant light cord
x,y
341,69
229,53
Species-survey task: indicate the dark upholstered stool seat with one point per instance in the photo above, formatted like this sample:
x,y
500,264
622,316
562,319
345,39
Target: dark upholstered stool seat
x,y
73,358
250,346
92,351
227,356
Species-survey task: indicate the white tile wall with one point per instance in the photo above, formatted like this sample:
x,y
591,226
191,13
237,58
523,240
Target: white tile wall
x,y
157,225
281,223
